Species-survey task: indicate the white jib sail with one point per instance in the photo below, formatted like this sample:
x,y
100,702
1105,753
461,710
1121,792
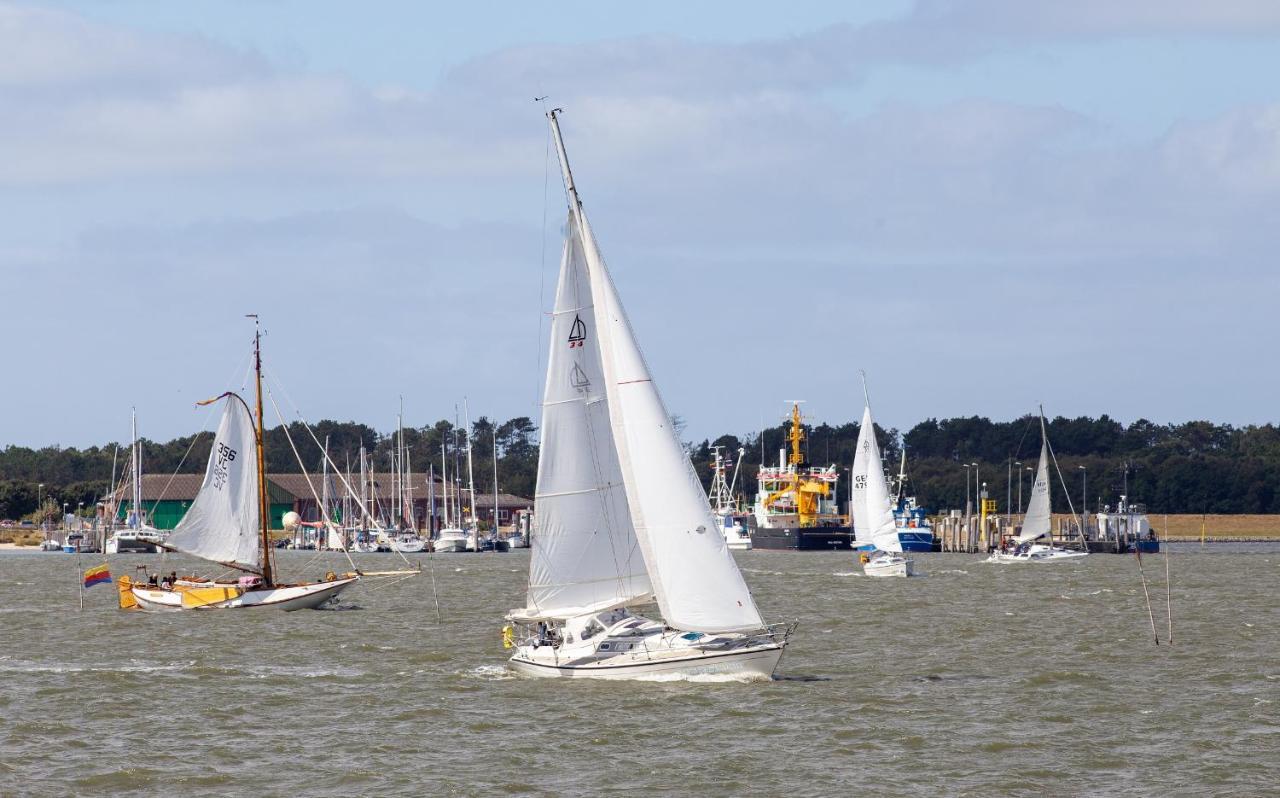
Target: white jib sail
x,y
872,509
222,524
695,579
585,556
1036,522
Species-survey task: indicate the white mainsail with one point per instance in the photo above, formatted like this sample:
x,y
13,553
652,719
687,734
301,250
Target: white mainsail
x,y
1036,522
695,580
585,555
222,524
872,509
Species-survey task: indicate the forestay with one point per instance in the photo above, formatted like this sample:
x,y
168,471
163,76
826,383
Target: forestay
x,y
585,554
222,524
1036,522
872,509
695,579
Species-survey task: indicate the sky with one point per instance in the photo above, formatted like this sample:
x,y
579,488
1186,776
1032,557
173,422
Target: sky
x,y
984,205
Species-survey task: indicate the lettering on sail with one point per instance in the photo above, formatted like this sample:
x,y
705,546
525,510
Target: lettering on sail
x,y
222,465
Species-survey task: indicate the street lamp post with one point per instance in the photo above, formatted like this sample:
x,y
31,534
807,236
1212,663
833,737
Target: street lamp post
x,y
1018,463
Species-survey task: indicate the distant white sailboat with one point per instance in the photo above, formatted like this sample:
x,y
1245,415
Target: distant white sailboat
x,y
874,527
1037,523
623,520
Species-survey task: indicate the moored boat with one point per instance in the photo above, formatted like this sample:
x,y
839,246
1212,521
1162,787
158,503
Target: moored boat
x,y
796,503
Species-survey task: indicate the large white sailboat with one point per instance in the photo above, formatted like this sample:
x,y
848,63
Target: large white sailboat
x,y
1037,523
623,520
874,526
228,524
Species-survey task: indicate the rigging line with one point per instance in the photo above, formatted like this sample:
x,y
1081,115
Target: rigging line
x,y
305,475
350,490
1067,493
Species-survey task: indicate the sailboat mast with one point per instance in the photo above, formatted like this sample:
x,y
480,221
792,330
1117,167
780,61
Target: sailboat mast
x,y
444,480
471,476
137,473
495,482
574,201
264,512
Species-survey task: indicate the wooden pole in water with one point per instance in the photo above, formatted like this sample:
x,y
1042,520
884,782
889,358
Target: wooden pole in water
x,y
1151,615
1168,588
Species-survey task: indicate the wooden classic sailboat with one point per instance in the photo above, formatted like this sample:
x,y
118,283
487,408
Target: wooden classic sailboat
x,y
228,524
622,519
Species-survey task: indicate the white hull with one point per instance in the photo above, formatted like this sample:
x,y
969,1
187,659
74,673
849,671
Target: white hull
x,y
449,545
758,663
517,541
890,566
738,544
289,598
615,644
1037,553
408,546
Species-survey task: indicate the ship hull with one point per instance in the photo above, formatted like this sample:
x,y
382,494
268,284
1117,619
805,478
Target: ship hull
x,y
810,538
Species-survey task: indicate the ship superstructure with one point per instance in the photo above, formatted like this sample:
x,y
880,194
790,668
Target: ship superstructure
x,y
796,505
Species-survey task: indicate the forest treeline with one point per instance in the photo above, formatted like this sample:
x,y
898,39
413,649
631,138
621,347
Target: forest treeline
x,y
1193,467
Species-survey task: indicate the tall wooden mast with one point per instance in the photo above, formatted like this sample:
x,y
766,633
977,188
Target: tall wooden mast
x,y
264,511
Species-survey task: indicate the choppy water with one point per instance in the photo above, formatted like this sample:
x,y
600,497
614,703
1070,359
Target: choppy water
x,y
974,680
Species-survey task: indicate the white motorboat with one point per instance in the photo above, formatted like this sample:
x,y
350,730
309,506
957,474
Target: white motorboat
x,y
49,544
1037,522
623,520
736,535
874,525
517,540
451,540
888,563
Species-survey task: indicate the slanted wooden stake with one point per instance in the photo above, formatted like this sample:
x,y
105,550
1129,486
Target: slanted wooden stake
x,y
1151,615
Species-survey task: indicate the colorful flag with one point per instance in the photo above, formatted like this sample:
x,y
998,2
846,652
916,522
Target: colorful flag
x,y
95,575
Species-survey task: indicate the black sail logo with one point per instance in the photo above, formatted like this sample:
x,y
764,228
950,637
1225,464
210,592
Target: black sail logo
x,y
577,333
578,378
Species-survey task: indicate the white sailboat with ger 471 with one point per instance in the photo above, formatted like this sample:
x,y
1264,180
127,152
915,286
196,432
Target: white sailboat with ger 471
x,y
228,524
623,520
874,527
